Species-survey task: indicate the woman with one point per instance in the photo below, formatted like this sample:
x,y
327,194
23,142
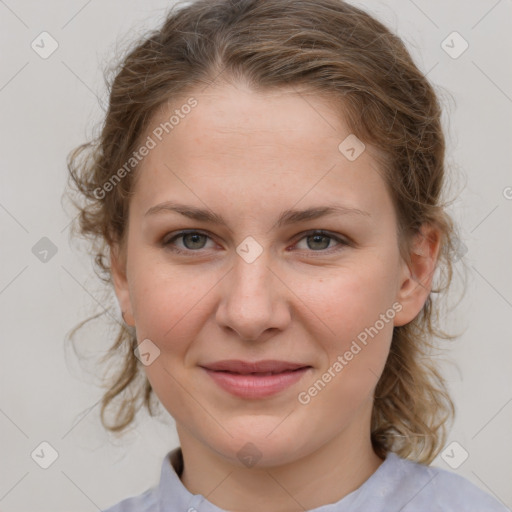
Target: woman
x,y
268,189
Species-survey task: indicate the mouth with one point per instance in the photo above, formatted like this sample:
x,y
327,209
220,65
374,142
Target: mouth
x,y
267,366
255,380
259,374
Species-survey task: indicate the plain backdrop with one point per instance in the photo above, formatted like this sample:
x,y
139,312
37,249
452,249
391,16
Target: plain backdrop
x,y
50,105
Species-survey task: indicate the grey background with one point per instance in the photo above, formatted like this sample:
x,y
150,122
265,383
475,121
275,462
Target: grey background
x,y
48,106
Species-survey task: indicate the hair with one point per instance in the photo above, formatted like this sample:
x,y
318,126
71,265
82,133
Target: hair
x,y
342,54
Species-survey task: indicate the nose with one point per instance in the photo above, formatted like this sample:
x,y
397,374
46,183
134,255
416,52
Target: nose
x,y
253,300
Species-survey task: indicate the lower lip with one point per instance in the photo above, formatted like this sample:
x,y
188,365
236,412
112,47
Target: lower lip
x,y
254,386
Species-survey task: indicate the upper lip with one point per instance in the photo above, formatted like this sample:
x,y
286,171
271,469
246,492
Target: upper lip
x,y
246,367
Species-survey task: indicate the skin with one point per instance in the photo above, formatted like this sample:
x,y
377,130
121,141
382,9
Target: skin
x,y
248,156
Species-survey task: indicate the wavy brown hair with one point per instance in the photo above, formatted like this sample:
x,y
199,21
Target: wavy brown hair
x,y
344,55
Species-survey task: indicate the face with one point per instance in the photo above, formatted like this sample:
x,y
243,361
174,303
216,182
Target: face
x,y
258,280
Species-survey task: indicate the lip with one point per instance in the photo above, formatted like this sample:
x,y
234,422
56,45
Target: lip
x,y
251,380
246,367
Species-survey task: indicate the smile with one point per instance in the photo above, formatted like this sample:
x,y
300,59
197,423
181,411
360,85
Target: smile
x,y
256,385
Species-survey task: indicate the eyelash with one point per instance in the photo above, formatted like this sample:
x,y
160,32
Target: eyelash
x,y
315,232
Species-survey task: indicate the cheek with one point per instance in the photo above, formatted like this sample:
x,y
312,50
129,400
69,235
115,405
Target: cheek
x,y
168,310
166,304
350,299
356,305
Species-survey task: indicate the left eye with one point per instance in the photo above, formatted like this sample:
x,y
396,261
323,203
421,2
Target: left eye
x,y
320,240
193,241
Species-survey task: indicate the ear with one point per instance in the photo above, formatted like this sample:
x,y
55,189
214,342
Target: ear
x,y
118,269
417,275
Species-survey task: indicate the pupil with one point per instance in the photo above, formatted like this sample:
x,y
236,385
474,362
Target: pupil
x,y
194,236
316,237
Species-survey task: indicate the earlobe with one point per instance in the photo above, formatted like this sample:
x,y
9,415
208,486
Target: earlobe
x,y
119,278
417,274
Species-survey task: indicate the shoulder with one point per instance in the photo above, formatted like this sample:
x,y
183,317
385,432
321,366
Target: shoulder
x,y
145,502
169,490
431,488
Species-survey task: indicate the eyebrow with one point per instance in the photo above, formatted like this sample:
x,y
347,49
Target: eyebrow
x,y
286,217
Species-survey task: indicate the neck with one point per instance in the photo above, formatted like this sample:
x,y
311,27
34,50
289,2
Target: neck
x,y
324,476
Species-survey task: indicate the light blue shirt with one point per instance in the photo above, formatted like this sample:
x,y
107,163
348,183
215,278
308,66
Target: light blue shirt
x,y
398,485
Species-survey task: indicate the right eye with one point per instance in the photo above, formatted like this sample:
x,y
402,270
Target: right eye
x,y
191,240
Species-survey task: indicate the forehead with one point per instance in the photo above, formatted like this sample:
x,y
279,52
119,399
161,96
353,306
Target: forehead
x,y
273,145
243,119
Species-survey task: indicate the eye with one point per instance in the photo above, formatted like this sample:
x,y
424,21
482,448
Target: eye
x,y
193,240
319,240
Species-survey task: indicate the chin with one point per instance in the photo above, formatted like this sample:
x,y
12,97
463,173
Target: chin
x,y
263,446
